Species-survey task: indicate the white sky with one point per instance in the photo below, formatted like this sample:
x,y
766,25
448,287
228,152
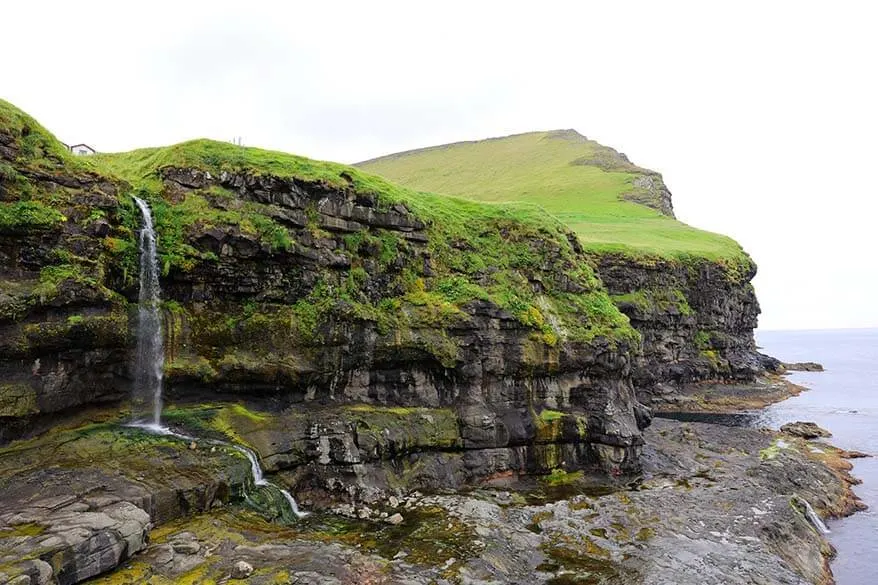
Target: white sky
x,y
761,115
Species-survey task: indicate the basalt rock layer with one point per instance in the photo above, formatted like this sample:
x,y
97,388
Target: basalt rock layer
x,y
696,318
686,291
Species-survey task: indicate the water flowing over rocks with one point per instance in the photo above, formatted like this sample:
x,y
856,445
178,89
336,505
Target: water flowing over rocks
x,y
91,506
150,361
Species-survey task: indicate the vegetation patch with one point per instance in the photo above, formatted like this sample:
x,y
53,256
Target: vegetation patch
x,y
773,450
194,214
22,530
36,146
656,301
23,216
579,562
17,400
547,415
391,431
560,477
428,535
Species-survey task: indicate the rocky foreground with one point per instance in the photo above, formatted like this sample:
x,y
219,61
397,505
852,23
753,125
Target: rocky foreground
x,y
715,505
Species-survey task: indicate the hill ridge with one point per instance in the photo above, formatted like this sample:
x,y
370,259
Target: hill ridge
x,y
612,204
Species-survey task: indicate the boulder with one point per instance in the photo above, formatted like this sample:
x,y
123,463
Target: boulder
x,y
395,519
805,430
242,570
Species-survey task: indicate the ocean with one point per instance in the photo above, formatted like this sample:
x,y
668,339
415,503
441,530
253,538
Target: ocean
x,y
843,400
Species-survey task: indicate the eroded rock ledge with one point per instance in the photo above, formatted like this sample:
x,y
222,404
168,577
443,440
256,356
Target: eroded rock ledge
x,y
714,502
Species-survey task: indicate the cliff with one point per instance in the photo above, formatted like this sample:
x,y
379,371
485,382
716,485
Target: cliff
x,y
304,285
366,340
686,291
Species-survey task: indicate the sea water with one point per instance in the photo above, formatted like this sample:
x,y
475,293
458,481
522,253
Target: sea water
x,y
843,400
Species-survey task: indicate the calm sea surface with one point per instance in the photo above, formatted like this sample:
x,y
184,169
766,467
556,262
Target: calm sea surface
x,y
844,400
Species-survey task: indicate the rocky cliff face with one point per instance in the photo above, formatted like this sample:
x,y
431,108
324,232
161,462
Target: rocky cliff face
x,y
63,332
687,292
312,293
254,322
312,285
696,317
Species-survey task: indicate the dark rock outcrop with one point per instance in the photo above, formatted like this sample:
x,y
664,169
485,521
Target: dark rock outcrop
x,y
805,430
696,319
803,366
64,333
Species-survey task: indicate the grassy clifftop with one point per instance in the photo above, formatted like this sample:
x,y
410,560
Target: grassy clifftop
x,y
589,187
477,250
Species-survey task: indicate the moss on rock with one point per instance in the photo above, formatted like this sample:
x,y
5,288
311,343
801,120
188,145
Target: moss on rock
x,y
17,400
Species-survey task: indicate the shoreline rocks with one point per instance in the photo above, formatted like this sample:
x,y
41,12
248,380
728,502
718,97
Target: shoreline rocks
x,y
803,367
721,397
715,503
805,430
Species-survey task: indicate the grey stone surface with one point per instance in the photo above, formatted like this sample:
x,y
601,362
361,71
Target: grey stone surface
x,y
713,506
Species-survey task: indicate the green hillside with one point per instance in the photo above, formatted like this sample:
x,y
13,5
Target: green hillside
x,y
586,185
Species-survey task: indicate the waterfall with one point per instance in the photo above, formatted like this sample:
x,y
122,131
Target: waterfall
x,y
259,480
147,394
150,360
255,469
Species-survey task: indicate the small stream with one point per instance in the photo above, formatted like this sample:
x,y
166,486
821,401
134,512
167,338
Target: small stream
x,y
255,468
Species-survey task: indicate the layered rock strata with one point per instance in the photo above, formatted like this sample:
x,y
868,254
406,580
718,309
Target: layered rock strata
x,y
309,293
696,318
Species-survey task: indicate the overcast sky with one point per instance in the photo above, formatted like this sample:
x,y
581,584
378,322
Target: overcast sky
x,y
761,115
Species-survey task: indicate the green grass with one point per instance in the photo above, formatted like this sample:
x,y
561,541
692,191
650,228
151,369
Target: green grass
x,y
661,300
560,477
576,180
36,145
551,415
138,167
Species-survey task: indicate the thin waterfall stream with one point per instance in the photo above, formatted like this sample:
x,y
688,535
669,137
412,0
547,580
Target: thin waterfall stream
x,y
150,357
